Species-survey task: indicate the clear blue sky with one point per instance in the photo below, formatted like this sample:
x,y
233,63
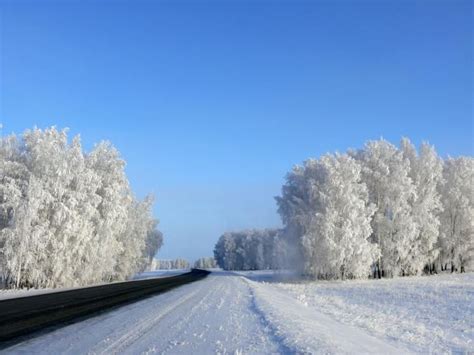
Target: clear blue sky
x,y
211,103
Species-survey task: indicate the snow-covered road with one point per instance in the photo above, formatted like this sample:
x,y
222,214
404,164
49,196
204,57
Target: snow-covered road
x,y
215,315
224,313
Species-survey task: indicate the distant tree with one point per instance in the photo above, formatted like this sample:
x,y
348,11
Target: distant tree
x,y
168,264
181,264
205,263
246,250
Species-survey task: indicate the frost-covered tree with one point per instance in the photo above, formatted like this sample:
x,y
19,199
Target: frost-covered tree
x,y
160,264
181,263
426,174
421,211
68,218
335,218
386,171
205,263
457,217
391,210
169,264
246,250
225,251
14,179
153,243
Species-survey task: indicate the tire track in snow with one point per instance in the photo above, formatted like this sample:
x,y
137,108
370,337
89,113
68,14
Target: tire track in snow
x,y
145,325
223,323
274,332
185,321
217,315
241,310
306,330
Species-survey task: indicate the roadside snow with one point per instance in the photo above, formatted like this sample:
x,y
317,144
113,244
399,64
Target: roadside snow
x,y
307,330
426,314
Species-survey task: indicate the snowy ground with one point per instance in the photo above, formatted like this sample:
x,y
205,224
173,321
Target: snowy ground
x,y
423,314
233,313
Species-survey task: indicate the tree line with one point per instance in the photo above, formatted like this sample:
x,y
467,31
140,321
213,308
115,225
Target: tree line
x,y
205,263
247,250
169,264
380,211
67,217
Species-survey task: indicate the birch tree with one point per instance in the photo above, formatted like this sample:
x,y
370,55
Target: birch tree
x,y
385,171
68,218
457,218
426,174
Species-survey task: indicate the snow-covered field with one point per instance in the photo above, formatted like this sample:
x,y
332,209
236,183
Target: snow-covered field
x,y
235,313
423,314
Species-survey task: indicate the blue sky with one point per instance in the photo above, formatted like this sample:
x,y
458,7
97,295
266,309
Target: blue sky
x,y
212,102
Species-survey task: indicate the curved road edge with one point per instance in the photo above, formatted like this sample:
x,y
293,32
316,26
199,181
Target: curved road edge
x,y
26,315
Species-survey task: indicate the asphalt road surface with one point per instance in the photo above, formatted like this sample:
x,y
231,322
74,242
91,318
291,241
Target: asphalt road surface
x,y
25,315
